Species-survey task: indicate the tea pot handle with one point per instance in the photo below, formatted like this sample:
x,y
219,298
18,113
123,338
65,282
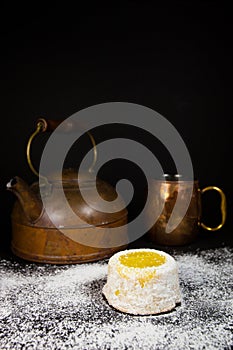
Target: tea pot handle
x,y
50,125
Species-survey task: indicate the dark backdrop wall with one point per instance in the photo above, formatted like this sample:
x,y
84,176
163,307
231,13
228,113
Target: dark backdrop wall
x,y
174,58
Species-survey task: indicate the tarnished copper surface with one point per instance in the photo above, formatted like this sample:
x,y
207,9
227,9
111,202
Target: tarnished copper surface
x,y
188,226
35,237
187,230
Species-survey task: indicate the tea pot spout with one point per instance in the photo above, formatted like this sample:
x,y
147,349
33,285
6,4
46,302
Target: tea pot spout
x,y
30,202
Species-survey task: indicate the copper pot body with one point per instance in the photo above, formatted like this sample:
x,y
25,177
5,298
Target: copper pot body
x,y
40,240
49,245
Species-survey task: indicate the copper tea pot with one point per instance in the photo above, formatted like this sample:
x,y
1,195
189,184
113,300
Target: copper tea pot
x,y
58,237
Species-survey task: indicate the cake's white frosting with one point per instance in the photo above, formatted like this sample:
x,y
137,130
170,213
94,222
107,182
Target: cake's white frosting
x,y
142,290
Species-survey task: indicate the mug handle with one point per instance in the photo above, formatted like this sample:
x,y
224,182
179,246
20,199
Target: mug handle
x,y
223,207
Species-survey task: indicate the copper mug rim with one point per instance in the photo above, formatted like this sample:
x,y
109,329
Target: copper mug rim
x,y
175,178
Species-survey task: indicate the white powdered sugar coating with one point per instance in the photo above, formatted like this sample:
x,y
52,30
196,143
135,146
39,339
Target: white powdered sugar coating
x,y
142,291
62,307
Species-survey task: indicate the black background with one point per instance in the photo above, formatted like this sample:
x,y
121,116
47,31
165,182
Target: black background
x,y
174,58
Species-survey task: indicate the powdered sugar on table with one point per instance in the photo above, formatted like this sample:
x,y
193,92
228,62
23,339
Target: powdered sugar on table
x,y
52,307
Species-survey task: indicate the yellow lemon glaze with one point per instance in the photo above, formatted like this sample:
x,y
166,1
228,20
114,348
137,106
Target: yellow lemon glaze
x,y
146,278
142,259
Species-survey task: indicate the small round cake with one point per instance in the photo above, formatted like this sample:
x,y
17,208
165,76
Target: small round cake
x,y
142,282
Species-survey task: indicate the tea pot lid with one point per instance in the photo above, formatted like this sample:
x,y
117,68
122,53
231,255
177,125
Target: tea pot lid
x,y
71,175
74,186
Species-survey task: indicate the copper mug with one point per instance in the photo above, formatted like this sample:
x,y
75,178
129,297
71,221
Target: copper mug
x,y
165,191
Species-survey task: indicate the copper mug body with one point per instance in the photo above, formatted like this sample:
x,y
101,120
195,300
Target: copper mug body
x,y
188,226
